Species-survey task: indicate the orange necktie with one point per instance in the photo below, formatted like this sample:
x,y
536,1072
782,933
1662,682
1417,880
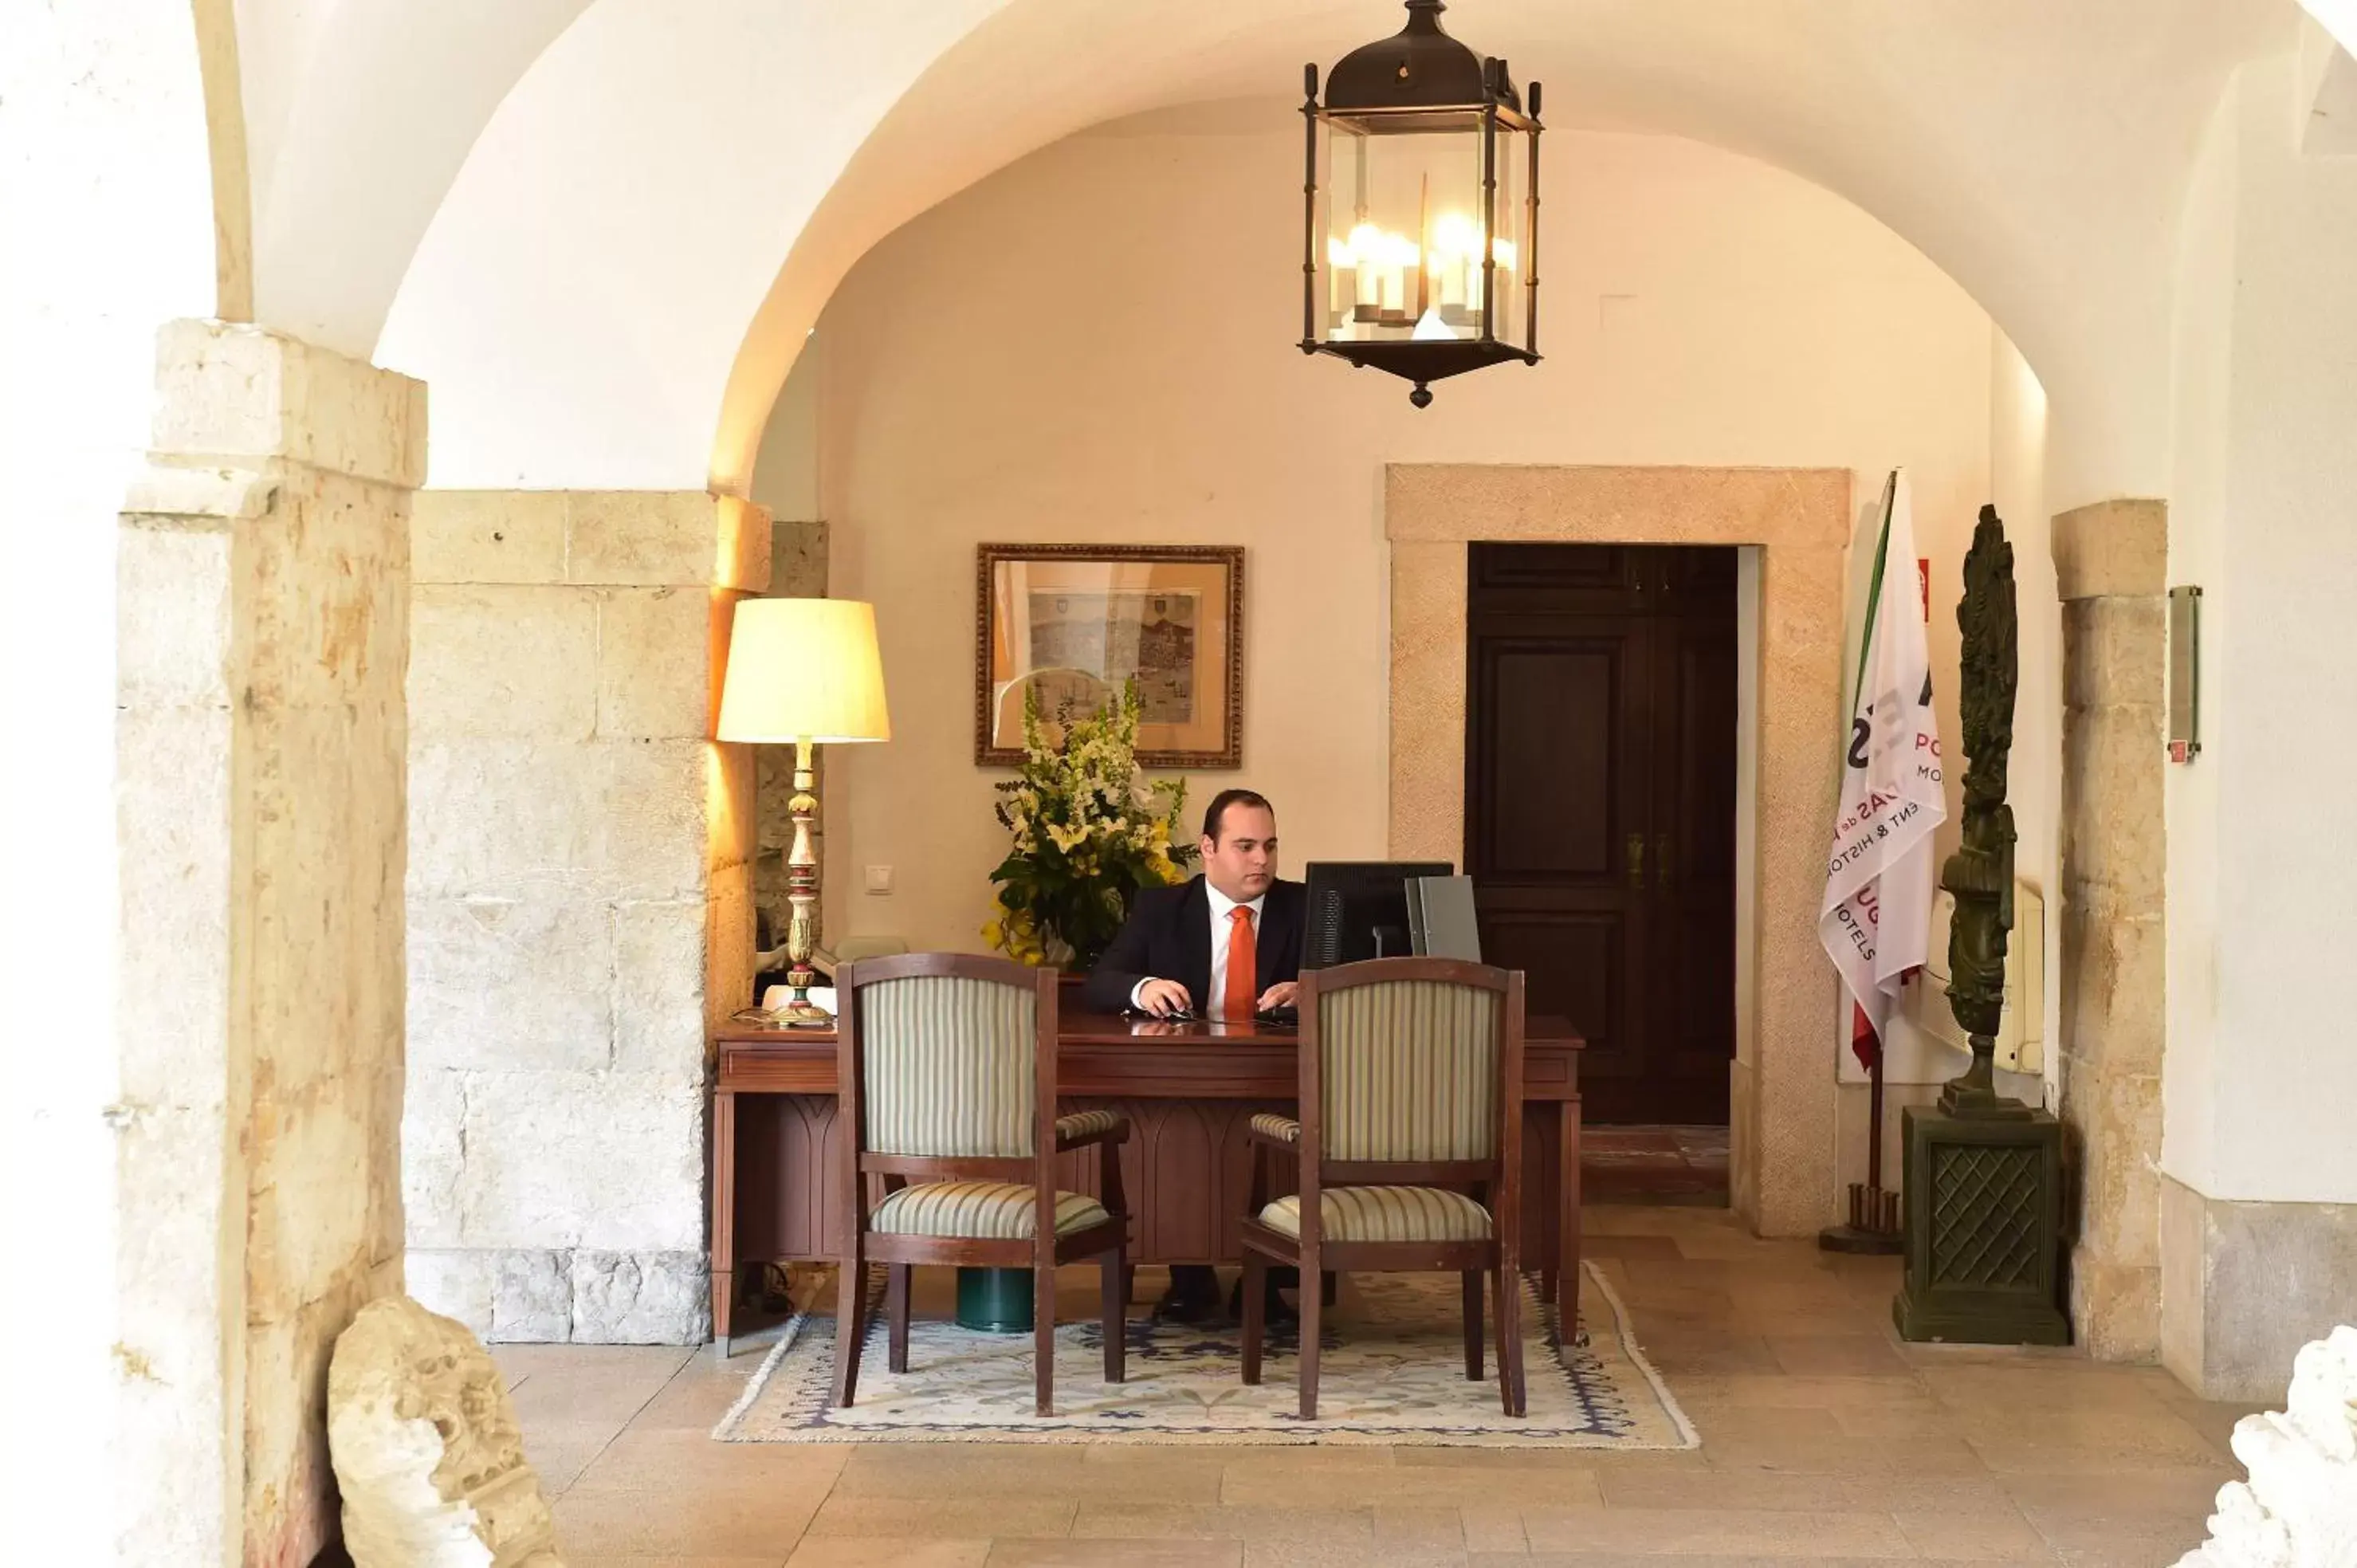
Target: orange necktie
x,y
1242,992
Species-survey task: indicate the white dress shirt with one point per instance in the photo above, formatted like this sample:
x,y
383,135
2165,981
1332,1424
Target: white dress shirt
x,y
1221,904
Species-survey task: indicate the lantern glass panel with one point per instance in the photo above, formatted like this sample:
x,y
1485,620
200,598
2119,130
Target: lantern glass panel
x,y
1510,316
1400,215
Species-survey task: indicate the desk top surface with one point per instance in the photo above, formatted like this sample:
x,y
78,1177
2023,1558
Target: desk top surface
x,y
1113,1029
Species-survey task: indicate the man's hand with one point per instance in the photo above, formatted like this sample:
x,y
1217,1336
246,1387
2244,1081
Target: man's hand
x,y
1278,996
1164,997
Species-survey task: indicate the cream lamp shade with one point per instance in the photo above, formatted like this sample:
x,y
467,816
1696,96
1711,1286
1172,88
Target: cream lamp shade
x,y
804,669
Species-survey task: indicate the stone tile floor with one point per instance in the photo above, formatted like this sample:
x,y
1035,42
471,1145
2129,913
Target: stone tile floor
x,y
1654,1165
1824,1440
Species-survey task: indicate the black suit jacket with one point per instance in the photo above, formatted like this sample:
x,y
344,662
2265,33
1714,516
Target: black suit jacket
x,y
1169,937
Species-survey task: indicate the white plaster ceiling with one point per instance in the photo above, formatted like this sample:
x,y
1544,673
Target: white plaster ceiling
x,y
358,115
653,217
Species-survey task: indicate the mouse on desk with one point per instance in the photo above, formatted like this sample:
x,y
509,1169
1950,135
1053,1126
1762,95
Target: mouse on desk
x,y
1287,1015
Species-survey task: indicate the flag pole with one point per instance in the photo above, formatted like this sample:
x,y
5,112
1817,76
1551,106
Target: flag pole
x,y
1874,1126
1874,1224
1873,1228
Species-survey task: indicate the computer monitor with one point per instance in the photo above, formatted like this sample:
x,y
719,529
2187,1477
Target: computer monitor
x,y
1358,909
1442,919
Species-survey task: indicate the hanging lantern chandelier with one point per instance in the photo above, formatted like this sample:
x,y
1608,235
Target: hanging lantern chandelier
x,y
1420,233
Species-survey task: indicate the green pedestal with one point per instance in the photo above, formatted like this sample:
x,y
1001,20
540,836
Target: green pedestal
x,y
994,1301
1984,1201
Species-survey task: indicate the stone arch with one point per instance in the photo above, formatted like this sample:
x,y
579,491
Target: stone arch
x,y
527,314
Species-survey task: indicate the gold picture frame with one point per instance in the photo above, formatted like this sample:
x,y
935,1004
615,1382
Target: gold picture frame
x,y
1075,621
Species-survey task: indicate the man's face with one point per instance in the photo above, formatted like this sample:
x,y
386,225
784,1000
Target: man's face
x,y
1241,862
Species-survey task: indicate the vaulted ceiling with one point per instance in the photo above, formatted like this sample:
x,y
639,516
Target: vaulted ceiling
x,y
601,231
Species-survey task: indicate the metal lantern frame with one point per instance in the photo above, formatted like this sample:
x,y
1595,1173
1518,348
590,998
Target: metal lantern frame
x,y
1418,81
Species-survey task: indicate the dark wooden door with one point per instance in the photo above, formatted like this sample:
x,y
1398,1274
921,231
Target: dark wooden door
x,y
1599,807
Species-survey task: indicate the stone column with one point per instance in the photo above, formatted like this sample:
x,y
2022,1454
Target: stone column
x,y
580,906
262,566
2111,569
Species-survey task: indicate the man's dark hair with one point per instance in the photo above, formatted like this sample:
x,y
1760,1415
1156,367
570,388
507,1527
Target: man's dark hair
x,y
1216,812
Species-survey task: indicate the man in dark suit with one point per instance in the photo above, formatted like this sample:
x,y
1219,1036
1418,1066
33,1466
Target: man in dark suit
x,y
1224,944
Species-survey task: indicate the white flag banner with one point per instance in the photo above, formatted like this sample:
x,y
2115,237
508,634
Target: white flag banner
x,y
1877,916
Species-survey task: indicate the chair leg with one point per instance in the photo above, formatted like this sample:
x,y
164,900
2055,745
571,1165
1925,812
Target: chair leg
x,y
1510,1339
1313,1305
896,1301
1043,1337
1116,1271
1255,1305
850,1320
1472,1325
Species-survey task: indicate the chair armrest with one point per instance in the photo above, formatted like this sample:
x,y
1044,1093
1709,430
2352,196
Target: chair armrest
x,y
1268,1127
1083,1128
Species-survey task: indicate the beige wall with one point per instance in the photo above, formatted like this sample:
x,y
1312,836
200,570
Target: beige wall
x,y
1094,345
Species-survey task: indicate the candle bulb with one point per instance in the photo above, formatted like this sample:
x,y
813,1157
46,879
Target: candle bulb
x,y
1364,243
1423,245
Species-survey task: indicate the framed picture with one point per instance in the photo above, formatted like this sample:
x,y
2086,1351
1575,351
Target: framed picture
x,y
1072,622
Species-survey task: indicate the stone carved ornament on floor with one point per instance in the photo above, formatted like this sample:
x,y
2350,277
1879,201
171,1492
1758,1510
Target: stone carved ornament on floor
x,y
426,1449
2298,1510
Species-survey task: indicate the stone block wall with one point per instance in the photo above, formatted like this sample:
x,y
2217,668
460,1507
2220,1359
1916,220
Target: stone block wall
x,y
580,905
263,565
2246,1284
2111,569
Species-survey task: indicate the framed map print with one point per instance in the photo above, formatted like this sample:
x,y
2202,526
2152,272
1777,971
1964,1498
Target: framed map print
x,y
1072,622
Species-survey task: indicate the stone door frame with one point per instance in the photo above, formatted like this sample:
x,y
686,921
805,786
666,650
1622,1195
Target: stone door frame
x,y
1782,1115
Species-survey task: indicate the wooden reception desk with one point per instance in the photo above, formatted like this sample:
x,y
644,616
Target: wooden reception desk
x,y
1188,1089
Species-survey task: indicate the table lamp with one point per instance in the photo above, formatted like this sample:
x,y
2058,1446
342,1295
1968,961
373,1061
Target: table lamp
x,y
804,673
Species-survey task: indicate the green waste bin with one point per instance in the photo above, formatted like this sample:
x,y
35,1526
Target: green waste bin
x,y
994,1301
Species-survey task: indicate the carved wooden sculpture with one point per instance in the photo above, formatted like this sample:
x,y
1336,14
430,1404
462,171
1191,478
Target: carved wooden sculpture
x,y
1982,1179
1980,874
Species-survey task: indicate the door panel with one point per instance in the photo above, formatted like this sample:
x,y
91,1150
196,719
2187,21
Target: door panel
x,y
1694,843
1600,806
1575,965
1550,699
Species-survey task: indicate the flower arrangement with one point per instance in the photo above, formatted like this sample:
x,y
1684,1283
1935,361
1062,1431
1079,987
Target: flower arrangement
x,y
1088,834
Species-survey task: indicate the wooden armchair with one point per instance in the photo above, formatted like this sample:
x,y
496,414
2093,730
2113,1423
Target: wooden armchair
x,y
949,1080
1410,1146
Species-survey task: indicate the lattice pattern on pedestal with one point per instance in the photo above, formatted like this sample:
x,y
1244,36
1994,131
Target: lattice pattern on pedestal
x,y
1985,1214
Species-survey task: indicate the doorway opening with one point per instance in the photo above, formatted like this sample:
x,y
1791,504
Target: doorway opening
x,y
1600,808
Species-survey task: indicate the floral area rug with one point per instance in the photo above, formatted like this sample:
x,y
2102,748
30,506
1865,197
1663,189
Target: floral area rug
x,y
1392,1372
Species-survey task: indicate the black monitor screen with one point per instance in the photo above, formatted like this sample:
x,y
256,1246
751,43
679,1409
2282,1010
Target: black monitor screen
x,y
1358,909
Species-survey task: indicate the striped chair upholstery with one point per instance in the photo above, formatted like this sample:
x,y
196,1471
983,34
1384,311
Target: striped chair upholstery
x,y
985,1210
1081,1124
1385,1214
950,1068
1410,1070
1284,1128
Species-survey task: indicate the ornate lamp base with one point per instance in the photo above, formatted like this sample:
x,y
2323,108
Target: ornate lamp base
x,y
804,1014
801,897
1984,1251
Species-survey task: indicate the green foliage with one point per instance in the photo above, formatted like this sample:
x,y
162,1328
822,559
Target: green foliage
x,y
1088,833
